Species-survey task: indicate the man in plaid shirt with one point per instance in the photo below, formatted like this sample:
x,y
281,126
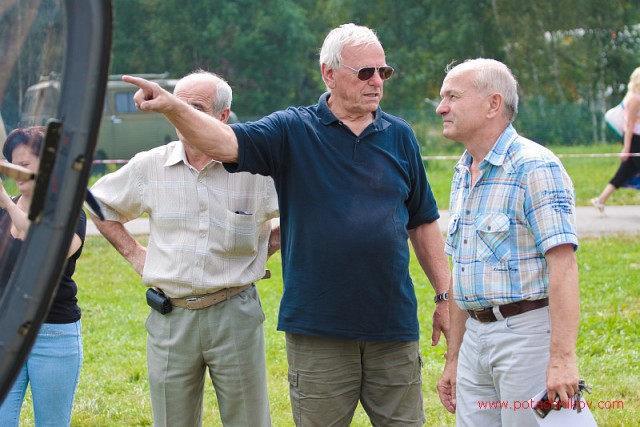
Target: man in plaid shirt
x,y
512,239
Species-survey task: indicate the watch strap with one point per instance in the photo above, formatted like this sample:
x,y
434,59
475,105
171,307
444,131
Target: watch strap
x,y
441,297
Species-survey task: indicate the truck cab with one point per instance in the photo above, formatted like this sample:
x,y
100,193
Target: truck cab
x,y
124,130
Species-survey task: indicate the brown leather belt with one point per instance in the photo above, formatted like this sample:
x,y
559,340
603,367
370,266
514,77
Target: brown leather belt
x,y
507,310
204,301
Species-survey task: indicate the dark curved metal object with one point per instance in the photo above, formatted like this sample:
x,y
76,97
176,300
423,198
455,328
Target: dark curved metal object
x,y
27,298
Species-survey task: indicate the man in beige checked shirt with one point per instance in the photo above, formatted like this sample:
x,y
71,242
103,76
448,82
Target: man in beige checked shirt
x,y
210,235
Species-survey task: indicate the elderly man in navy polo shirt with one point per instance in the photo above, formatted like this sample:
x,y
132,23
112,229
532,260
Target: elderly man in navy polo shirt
x,y
352,192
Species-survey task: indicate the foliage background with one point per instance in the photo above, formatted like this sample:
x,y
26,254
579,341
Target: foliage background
x,y
572,59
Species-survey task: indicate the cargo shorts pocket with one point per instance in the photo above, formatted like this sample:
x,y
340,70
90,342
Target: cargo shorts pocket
x,y
294,395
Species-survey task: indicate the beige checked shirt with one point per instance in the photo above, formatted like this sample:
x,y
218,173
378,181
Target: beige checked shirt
x,y
208,230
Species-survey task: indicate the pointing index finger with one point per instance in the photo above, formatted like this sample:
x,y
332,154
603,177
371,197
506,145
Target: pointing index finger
x,y
138,81
145,92
144,85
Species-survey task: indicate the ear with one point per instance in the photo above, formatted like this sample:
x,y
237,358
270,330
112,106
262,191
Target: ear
x,y
496,102
224,115
328,75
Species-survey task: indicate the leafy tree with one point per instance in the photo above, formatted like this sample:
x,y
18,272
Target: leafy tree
x,y
565,54
572,59
132,48
261,53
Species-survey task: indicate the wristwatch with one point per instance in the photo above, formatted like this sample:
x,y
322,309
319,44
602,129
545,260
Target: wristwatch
x,y
441,297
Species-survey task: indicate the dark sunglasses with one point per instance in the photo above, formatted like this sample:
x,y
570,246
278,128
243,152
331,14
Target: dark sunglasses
x,y
365,73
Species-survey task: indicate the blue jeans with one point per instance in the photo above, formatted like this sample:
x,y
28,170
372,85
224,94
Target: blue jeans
x,y
53,369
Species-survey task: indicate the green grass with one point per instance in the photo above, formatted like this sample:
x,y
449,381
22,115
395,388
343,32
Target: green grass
x,y
589,174
113,387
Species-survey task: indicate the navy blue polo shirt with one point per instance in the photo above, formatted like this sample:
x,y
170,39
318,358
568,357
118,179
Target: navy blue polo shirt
x,y
346,203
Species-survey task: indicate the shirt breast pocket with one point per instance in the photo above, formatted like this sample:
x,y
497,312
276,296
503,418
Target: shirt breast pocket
x,y
452,234
493,238
241,233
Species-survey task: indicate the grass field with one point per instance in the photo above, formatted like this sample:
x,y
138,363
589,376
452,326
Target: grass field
x,y
589,174
113,388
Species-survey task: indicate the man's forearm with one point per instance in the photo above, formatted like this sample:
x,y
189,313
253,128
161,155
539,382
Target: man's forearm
x,y
564,307
274,237
564,301
205,133
428,246
458,319
119,237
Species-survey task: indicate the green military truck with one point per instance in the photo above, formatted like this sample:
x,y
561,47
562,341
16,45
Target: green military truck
x,y
124,130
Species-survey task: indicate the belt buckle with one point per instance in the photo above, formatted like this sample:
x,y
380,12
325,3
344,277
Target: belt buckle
x,y
192,302
475,315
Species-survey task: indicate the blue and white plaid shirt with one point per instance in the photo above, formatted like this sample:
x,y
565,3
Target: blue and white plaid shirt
x,y
522,205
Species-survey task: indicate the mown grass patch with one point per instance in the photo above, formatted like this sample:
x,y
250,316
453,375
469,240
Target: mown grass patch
x,y
113,388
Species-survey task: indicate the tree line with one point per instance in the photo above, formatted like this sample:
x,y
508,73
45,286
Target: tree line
x,y
571,58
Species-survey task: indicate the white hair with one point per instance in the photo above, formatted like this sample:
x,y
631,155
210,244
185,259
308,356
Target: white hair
x,y
338,38
491,76
224,95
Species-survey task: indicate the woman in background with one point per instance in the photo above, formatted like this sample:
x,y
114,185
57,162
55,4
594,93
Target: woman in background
x,y
629,165
53,365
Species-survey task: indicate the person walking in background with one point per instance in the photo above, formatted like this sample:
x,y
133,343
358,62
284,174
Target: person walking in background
x,y
629,165
210,233
353,191
512,239
53,365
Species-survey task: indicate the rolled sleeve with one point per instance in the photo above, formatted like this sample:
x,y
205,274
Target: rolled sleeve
x,y
120,194
550,207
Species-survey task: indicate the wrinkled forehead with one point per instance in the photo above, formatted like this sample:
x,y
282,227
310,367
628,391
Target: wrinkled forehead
x,y
460,74
194,82
369,52
460,81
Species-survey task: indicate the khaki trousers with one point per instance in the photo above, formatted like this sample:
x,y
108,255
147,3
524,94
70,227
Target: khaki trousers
x,y
328,377
227,338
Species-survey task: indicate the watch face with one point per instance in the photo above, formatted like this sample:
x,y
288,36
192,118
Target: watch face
x,y
441,297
